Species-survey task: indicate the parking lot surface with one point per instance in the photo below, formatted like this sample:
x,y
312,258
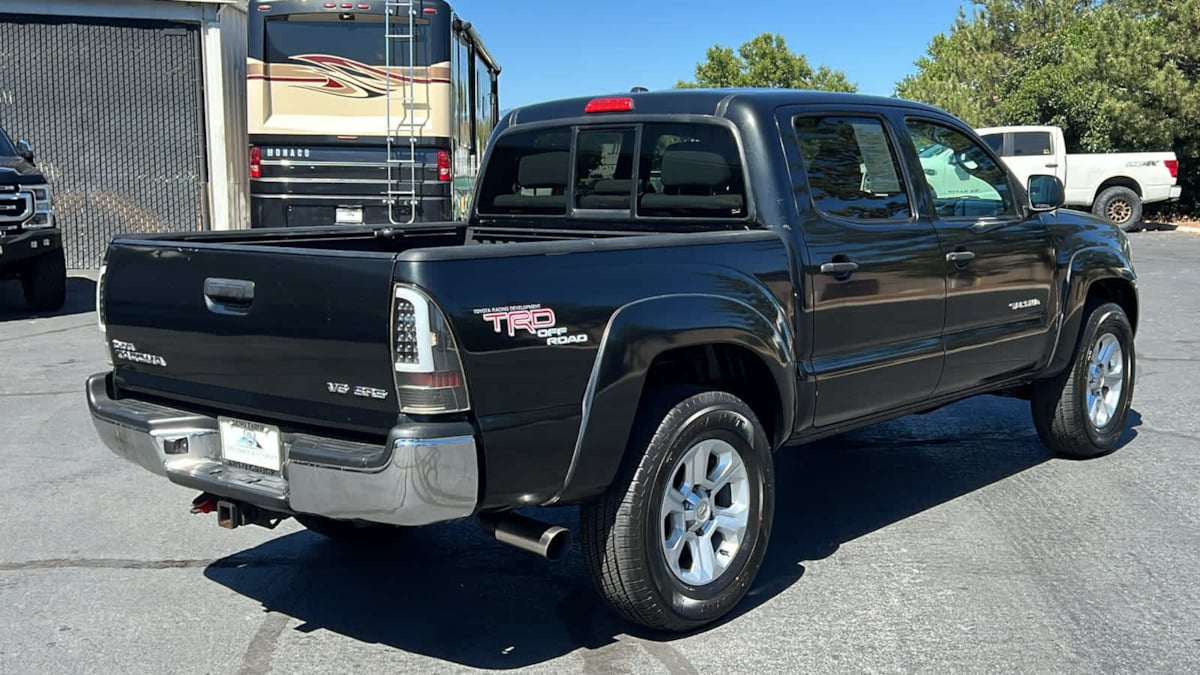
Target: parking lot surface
x,y
947,542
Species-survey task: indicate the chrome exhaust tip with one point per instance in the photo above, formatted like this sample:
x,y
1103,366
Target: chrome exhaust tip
x,y
527,534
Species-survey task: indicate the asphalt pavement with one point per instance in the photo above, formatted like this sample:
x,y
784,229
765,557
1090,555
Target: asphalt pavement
x,y
949,542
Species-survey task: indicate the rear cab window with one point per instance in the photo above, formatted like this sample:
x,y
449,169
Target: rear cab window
x,y
651,170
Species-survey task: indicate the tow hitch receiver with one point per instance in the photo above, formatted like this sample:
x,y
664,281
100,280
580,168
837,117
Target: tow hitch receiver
x,y
232,514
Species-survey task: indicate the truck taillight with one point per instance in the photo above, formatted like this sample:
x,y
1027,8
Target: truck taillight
x,y
1173,167
443,165
255,162
429,374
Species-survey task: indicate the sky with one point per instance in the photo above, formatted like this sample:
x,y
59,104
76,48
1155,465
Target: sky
x,y
557,48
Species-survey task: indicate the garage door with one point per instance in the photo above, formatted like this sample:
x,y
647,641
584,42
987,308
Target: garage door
x,y
113,109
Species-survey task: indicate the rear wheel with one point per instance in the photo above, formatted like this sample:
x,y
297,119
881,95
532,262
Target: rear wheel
x,y
678,538
348,531
1120,206
1082,412
44,281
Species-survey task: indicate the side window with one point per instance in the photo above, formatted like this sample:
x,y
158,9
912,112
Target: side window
x,y
604,169
963,178
528,174
690,171
1031,143
851,167
995,142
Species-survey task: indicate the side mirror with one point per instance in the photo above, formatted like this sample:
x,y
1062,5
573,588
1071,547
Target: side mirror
x,y
25,150
1046,193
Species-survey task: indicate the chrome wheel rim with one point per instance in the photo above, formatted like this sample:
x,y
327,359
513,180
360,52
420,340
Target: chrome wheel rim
x,y
1119,210
1106,380
705,512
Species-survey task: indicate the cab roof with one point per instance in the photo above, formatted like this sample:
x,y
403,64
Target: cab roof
x,y
706,102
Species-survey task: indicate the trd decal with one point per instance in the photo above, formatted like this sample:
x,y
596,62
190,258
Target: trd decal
x,y
530,319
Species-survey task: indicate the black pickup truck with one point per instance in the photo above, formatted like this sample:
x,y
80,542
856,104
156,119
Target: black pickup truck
x,y
30,244
652,294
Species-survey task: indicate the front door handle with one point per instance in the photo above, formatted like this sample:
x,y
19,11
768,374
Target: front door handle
x,y
839,268
960,257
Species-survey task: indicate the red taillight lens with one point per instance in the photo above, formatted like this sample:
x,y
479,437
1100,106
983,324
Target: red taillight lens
x,y
443,165
437,380
602,105
1173,167
255,162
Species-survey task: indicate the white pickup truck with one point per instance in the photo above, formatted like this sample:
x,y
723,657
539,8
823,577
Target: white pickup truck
x,y
1111,185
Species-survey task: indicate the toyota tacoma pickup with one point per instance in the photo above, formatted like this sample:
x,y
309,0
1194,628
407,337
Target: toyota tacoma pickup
x,y
30,244
652,294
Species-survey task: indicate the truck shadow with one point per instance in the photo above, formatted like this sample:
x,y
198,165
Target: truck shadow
x,y
452,593
81,299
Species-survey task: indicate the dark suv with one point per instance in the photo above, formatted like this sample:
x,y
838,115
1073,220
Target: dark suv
x,y
30,243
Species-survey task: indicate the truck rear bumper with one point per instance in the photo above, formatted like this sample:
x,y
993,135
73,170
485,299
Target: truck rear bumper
x,y
424,474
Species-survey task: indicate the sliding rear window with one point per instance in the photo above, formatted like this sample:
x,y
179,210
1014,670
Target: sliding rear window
x,y
651,170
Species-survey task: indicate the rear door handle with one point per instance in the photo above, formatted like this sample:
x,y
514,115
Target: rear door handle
x,y
960,257
845,267
228,296
1051,166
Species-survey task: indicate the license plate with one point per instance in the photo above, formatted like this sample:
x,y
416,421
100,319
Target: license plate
x,y
250,443
349,215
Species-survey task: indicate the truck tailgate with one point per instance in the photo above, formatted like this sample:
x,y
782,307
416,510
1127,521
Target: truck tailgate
x,y
263,332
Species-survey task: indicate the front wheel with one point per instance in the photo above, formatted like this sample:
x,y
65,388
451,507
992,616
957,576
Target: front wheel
x,y
678,538
44,281
1082,412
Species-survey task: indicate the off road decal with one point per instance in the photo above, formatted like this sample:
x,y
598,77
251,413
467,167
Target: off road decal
x,y
534,320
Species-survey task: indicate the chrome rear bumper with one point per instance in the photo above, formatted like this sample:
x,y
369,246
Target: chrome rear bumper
x,y
424,474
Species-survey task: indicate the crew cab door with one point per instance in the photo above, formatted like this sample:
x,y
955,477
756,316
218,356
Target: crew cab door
x,y
874,277
997,258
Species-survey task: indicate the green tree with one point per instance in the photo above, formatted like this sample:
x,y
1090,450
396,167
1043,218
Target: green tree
x,y
765,61
1116,75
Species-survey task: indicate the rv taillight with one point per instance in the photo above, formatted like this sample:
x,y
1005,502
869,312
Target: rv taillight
x,y
443,165
602,105
1173,167
255,162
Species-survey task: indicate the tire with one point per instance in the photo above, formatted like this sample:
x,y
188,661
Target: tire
x,y
347,531
1120,206
1061,412
624,532
44,281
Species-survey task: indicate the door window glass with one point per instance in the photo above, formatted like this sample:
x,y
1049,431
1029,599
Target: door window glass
x,y
851,168
963,179
1026,143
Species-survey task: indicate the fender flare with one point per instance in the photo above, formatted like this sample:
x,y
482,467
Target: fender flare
x,y
636,334
1086,267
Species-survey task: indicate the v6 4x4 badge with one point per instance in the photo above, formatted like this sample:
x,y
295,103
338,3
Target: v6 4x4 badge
x,y
532,319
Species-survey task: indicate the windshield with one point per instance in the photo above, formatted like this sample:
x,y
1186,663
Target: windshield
x,y
316,37
6,146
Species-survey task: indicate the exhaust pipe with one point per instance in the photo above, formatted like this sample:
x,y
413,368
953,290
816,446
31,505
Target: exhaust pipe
x,y
527,534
